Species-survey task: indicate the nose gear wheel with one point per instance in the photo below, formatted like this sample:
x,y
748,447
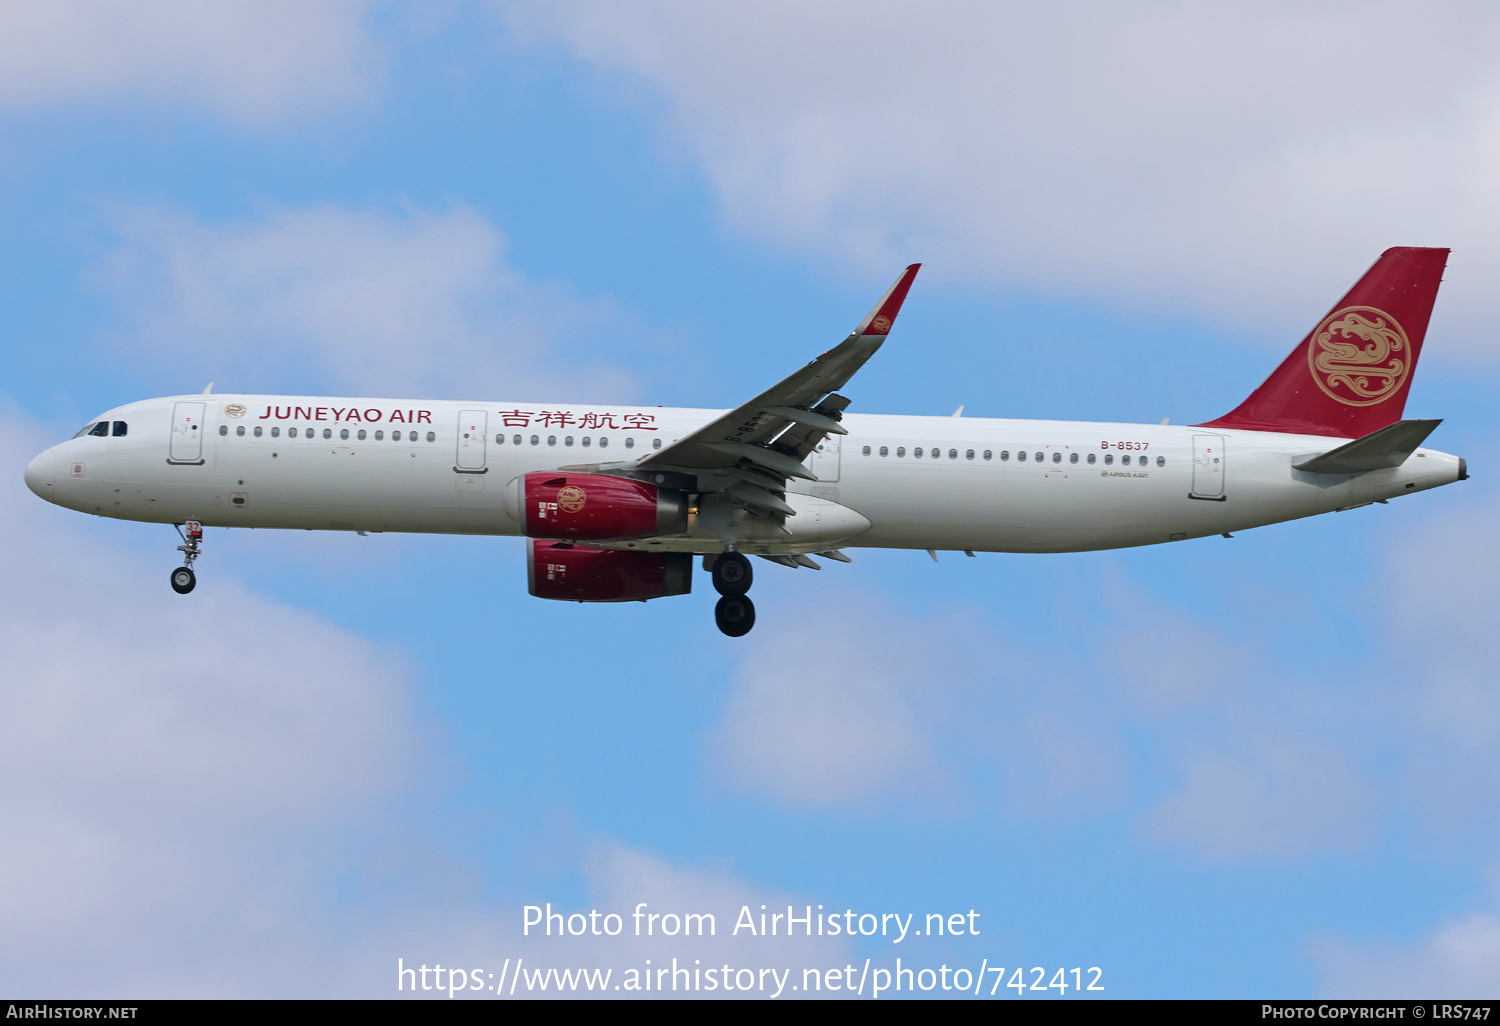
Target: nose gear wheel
x,y
183,578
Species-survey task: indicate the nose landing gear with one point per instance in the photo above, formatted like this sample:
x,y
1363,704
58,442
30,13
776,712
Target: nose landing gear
x,y
735,613
183,578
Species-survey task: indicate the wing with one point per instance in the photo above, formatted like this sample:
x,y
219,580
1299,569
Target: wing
x,y
749,453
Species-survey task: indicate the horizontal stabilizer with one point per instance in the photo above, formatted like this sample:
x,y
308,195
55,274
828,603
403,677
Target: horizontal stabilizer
x,y
1379,450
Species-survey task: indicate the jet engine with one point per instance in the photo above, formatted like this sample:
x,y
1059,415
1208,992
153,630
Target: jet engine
x,y
597,507
576,573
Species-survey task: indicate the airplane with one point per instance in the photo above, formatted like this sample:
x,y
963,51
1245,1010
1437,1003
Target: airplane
x,y
618,501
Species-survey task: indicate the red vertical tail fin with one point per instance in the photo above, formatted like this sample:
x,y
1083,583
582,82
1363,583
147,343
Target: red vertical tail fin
x,y
1351,374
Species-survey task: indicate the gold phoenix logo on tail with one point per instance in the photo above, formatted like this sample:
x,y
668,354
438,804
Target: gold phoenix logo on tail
x,y
1359,356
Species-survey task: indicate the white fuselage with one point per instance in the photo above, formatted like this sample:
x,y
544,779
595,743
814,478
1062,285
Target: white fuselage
x,y
191,458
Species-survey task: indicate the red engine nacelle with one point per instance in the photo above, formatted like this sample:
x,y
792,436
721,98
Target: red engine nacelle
x,y
576,573
596,507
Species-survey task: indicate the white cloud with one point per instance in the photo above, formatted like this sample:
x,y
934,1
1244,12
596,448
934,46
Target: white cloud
x,y
175,772
494,948
826,708
1442,588
1244,161
1279,796
847,702
414,302
253,62
1459,961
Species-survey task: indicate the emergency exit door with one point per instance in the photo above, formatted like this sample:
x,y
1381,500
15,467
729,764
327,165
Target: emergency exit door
x,y
824,460
187,433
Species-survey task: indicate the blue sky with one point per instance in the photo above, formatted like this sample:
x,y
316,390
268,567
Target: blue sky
x,y
1258,766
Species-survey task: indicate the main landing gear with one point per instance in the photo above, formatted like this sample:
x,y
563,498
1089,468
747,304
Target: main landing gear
x,y
735,613
183,578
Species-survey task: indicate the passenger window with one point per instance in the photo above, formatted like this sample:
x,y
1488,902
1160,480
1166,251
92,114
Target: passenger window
x,y
1057,457
499,439
1161,461
885,450
101,429
969,455
223,428
1039,457
603,441
586,440
867,450
276,432
568,441
343,434
1020,457
900,450
515,440
551,439
656,443
1109,458
257,431
380,436
1125,460
328,433
431,436
121,428
361,435
1004,455
291,432
535,440
630,443
1093,456
1072,457
986,454
953,454
240,431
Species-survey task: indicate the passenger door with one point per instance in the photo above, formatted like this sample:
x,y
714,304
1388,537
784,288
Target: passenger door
x,y
187,433
473,426
1208,467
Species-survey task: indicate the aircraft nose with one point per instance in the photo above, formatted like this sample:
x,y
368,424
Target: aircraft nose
x,y
39,475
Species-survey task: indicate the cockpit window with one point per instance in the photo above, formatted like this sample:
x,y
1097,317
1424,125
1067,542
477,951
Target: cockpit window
x,y
101,429
121,428
86,429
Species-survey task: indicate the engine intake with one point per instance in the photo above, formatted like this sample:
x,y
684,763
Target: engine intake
x,y
597,507
577,573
